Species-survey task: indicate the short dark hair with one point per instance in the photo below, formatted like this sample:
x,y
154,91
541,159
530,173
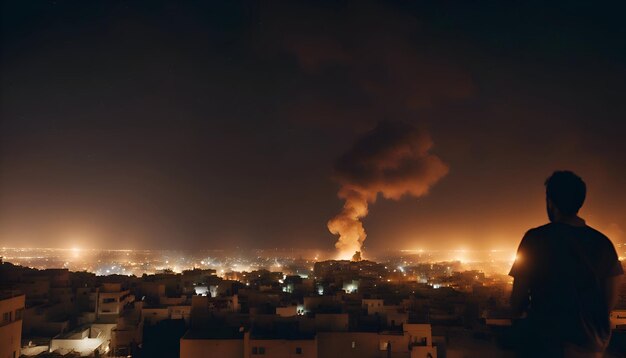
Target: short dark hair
x,y
567,191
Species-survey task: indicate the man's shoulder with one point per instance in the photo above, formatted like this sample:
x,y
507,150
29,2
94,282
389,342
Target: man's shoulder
x,y
555,229
540,230
596,232
598,235
543,233
533,237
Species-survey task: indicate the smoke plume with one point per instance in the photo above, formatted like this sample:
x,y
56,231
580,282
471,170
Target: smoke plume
x,y
393,160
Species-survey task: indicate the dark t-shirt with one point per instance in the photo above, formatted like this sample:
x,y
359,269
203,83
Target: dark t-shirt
x,y
566,267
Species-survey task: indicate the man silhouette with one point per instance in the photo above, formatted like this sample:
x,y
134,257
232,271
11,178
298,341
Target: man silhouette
x,y
565,278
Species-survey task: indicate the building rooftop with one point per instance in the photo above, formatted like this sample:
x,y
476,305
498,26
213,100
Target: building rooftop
x,y
289,330
215,333
6,294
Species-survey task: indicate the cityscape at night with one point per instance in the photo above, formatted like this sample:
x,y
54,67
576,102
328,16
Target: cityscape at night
x,y
293,262
319,179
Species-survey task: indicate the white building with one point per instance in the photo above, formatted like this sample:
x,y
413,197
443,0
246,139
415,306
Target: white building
x,y
415,341
11,310
111,302
84,340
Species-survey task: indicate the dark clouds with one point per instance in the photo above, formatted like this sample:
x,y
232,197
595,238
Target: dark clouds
x,y
144,122
360,68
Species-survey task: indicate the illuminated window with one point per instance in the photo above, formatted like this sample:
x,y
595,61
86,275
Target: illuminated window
x,y
258,350
353,344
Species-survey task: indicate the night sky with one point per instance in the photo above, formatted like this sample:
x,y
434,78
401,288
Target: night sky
x,y
214,124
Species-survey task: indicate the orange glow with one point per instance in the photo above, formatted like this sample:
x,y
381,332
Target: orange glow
x,y
347,255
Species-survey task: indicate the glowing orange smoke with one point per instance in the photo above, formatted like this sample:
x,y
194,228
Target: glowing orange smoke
x,y
394,160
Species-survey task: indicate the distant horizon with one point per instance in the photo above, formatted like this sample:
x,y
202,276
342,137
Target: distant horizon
x,y
410,251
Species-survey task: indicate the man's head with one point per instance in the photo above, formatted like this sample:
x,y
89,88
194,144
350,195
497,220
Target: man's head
x,y
565,194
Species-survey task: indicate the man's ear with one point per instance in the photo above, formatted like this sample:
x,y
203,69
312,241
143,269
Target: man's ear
x,y
553,208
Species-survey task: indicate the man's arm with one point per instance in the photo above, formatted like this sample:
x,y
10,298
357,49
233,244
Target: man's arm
x,y
611,287
519,296
521,272
612,274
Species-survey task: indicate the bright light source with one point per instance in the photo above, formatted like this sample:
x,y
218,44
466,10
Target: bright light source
x,y
76,251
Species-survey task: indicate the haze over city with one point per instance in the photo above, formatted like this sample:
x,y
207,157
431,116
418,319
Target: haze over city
x,y
148,125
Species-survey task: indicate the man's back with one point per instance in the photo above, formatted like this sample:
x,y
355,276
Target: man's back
x,y
565,267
